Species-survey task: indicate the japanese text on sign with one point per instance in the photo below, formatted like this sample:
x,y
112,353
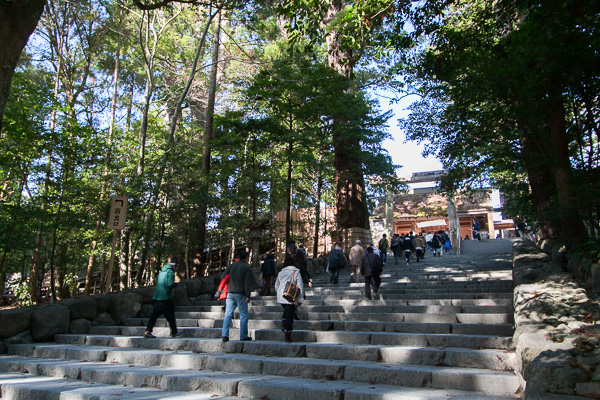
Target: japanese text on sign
x,y
118,213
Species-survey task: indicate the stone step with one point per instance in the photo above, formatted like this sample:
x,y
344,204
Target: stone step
x,y
35,387
155,368
347,309
271,300
502,360
415,283
265,387
357,294
394,339
395,290
395,316
494,329
399,322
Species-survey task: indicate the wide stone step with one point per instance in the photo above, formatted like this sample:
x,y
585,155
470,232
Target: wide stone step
x,y
358,295
198,319
444,324
348,309
271,300
200,368
35,387
246,386
394,339
502,360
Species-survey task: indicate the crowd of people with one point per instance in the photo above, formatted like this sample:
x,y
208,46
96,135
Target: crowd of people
x,y
238,280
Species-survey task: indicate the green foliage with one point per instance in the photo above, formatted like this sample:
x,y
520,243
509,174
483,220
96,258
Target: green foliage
x,y
22,294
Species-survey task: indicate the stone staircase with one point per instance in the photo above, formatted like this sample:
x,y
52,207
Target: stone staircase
x,y
439,329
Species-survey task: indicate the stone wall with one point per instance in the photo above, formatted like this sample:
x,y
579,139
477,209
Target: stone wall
x,y
556,337
41,323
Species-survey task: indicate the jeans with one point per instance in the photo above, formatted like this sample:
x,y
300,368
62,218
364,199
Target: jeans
x,y
383,255
407,255
334,275
163,308
236,300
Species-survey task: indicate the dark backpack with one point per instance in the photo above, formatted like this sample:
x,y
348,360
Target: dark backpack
x,y
436,241
395,241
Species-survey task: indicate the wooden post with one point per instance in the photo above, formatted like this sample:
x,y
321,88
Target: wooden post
x,y
111,262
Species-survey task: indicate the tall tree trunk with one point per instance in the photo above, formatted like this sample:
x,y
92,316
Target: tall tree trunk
x,y
170,143
18,20
318,211
288,208
206,150
104,186
541,183
572,227
351,201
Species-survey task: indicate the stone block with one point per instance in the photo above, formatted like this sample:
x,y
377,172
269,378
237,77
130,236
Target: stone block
x,y
124,305
343,352
204,381
193,287
180,297
145,311
146,292
82,307
14,321
102,303
292,389
80,326
103,319
388,374
305,368
275,349
588,389
48,321
22,338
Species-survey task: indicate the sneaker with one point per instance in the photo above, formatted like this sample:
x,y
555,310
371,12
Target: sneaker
x,y
225,339
246,339
149,335
178,334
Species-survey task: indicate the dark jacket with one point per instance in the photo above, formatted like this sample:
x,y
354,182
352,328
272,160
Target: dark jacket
x,y
371,265
437,241
407,244
241,278
164,283
268,267
337,259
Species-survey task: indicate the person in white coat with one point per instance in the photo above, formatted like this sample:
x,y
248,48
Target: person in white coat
x,y
289,273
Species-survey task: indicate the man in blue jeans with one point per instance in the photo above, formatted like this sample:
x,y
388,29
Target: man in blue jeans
x,y
241,282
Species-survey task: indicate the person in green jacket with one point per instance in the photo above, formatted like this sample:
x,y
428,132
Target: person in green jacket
x,y
163,304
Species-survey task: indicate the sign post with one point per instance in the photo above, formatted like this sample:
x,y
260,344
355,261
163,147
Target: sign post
x,y
116,222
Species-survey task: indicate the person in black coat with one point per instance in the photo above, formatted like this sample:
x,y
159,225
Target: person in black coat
x,y
371,268
268,270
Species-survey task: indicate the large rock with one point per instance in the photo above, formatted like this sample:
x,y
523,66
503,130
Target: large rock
x,y
22,338
14,321
209,284
102,303
193,286
145,311
48,321
553,372
83,307
80,326
125,305
180,297
146,292
103,319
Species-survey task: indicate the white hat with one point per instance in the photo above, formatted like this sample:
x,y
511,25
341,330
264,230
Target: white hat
x,y
357,241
